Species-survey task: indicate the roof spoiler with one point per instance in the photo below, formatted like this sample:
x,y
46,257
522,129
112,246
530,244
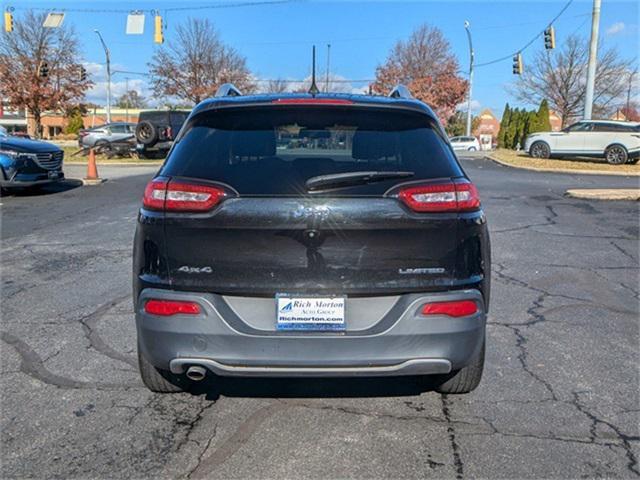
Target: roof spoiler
x,y
400,91
228,90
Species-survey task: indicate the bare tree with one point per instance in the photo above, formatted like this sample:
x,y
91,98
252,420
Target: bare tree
x,y
131,99
560,77
276,86
29,48
193,66
426,64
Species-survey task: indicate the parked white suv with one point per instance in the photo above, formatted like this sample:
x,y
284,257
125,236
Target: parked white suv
x,y
469,144
617,142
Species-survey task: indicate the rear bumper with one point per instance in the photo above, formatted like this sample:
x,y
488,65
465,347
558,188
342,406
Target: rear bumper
x,y
399,342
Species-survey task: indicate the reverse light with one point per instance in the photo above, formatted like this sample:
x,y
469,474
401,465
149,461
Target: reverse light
x,y
458,308
174,196
456,196
166,308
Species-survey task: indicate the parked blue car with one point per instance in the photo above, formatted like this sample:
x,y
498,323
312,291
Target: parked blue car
x,y
28,163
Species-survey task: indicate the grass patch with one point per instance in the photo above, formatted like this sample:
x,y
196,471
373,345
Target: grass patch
x,y
521,159
69,157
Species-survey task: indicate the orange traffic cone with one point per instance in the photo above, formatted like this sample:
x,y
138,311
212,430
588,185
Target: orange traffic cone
x,y
92,177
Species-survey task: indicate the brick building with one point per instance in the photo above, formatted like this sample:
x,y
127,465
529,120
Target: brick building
x,y
489,124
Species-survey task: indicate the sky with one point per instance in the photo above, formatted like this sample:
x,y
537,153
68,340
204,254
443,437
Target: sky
x,y
276,39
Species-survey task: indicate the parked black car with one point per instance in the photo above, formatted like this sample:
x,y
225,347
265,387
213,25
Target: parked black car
x,y
300,235
156,131
28,163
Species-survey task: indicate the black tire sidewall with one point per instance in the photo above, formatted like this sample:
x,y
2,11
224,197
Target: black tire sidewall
x,y
152,138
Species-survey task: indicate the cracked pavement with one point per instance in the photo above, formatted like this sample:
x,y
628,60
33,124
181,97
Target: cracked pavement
x,y
559,397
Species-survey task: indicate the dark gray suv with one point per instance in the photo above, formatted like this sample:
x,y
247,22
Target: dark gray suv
x,y
301,235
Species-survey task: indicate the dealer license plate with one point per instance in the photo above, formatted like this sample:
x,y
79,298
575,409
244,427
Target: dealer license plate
x,y
310,313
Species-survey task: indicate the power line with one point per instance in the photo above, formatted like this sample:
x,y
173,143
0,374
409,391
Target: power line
x,y
528,44
523,24
170,9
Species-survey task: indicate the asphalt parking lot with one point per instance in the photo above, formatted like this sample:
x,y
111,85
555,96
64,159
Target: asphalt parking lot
x,y
559,399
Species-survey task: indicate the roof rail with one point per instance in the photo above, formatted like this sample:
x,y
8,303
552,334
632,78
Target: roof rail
x,y
228,90
400,91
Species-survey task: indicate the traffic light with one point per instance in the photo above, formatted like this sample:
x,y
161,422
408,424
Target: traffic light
x,y
158,37
43,70
549,38
83,73
8,22
517,64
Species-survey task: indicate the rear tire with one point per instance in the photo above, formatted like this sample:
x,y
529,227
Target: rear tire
x,y
467,378
616,155
158,380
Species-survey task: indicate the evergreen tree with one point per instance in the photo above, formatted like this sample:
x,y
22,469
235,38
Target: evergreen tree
x,y
543,122
504,123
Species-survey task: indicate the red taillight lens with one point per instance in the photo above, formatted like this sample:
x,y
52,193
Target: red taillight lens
x,y
166,308
154,194
458,196
312,101
168,132
460,308
181,197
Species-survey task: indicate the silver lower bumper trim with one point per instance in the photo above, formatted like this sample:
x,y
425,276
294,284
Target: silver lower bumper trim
x,y
419,366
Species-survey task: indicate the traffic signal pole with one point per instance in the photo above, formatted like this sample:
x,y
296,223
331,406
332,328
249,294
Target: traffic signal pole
x,y
466,27
593,56
107,54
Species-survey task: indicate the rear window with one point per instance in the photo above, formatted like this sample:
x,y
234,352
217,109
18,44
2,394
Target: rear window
x,y
274,151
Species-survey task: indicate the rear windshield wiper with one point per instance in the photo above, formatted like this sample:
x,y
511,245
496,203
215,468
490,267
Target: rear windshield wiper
x,y
336,180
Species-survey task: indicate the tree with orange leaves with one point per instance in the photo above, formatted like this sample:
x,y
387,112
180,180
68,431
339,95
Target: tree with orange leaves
x,y
426,65
25,51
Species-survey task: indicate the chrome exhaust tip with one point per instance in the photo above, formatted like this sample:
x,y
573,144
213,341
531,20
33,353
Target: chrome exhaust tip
x,y
196,373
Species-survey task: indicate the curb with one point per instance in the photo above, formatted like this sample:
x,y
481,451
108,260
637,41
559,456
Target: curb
x,y
632,194
563,170
93,181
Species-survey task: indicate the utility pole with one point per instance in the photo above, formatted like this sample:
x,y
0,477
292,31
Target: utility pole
x,y
107,54
326,86
466,27
593,58
631,75
126,93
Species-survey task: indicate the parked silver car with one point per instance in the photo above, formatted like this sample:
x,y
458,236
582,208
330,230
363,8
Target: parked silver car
x,y
104,134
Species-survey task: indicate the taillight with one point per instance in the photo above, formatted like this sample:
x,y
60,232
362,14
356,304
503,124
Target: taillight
x,y
312,101
173,196
456,196
458,308
168,132
166,308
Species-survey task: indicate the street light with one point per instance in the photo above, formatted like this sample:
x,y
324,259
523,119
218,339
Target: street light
x,y
466,27
106,52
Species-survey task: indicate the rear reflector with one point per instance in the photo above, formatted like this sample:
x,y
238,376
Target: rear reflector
x,y
312,101
173,196
461,308
166,308
456,196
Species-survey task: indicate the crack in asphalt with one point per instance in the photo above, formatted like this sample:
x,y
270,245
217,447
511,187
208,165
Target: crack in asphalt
x,y
32,365
89,323
370,414
455,448
632,464
233,443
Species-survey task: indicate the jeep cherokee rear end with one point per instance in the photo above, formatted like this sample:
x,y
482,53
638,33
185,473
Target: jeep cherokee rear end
x,y
294,235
